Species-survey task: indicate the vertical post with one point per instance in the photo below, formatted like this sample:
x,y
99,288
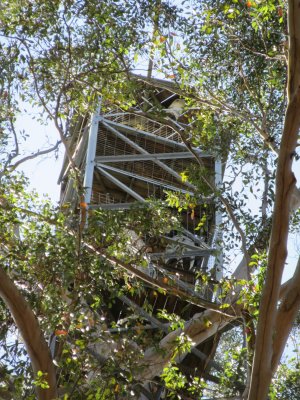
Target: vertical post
x,y
90,156
218,222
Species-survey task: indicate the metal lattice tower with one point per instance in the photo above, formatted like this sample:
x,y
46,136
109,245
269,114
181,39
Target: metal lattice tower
x,y
128,157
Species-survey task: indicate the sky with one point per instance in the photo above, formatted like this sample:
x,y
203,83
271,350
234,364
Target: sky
x,y
42,171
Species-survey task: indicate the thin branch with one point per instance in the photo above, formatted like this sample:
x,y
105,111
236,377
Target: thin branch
x,y
264,202
155,32
54,116
34,155
223,105
16,151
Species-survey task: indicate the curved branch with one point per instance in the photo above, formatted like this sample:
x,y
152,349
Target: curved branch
x,y
31,333
34,155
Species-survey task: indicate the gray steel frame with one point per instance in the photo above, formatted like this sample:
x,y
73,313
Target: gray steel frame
x,y
90,156
143,151
181,254
145,157
142,178
150,136
178,241
187,251
121,185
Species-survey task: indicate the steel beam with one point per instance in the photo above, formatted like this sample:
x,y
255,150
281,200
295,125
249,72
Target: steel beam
x,y
144,313
121,185
144,178
218,222
145,157
90,156
143,151
114,206
180,243
182,254
169,98
193,237
151,136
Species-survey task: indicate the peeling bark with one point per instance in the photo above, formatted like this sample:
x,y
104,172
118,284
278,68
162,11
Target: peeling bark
x,y
285,184
31,333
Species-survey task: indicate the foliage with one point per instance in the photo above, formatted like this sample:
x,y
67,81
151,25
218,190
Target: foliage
x,y
286,382
228,61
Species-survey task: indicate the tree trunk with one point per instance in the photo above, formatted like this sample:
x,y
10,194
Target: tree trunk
x,y
287,312
31,333
285,184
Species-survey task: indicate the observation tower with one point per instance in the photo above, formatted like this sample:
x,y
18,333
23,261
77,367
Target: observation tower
x,y
130,156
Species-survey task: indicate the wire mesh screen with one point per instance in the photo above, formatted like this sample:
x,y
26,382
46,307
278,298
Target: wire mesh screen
x,y
142,123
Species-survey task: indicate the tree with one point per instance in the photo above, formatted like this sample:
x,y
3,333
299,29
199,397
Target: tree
x,y
235,69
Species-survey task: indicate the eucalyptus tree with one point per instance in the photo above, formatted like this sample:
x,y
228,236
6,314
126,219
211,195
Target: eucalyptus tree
x,y
236,66
244,71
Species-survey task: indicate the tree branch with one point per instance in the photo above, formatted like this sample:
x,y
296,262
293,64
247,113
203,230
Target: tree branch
x,y
34,155
53,116
169,288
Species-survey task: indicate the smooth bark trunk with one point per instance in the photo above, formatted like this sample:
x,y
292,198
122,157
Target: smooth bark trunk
x,y
31,333
285,183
